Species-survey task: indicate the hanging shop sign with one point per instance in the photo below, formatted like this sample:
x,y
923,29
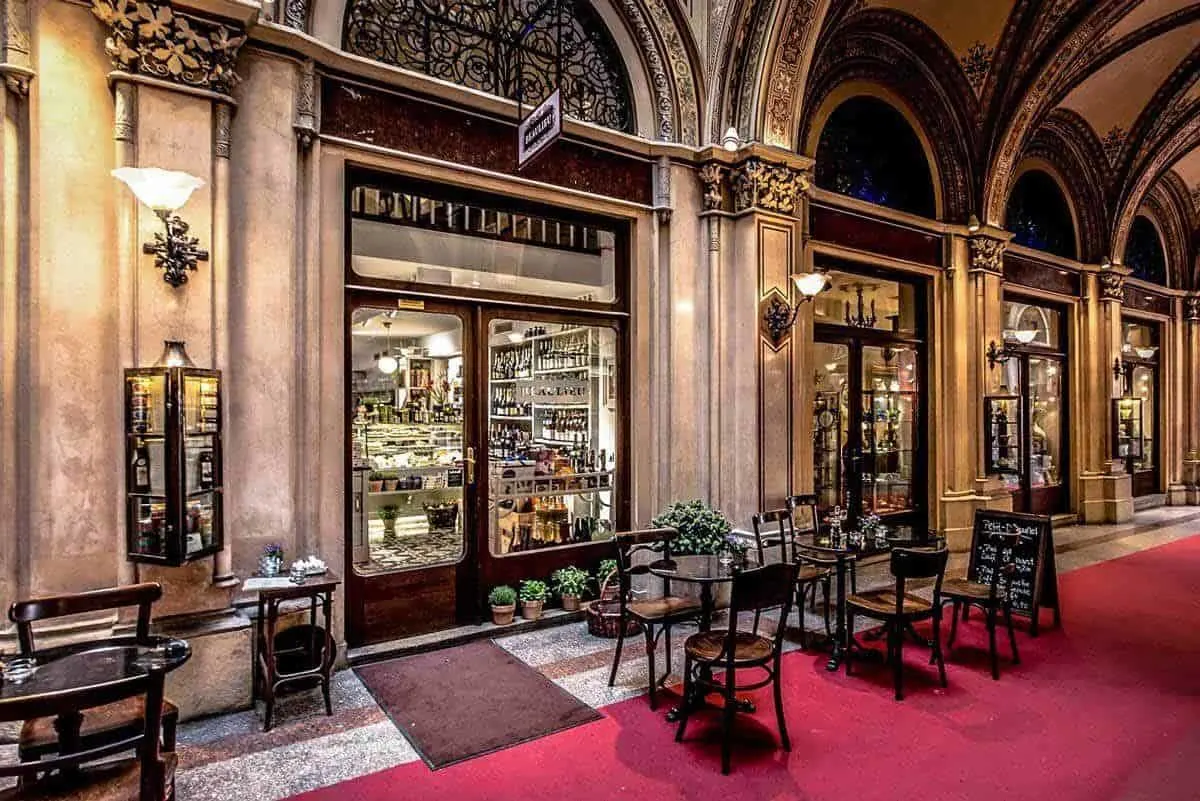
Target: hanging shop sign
x,y
540,129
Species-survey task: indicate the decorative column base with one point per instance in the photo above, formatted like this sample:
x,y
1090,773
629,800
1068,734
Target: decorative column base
x,y
1106,497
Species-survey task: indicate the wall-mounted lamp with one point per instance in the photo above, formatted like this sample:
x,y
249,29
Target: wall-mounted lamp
x,y
780,316
165,192
1000,354
1123,372
731,140
174,355
973,224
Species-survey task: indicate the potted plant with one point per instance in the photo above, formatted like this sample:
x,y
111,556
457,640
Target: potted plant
x,y
503,600
388,514
702,529
390,483
375,481
271,562
533,596
570,583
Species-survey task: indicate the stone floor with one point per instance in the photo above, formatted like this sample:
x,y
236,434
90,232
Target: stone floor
x,y
415,547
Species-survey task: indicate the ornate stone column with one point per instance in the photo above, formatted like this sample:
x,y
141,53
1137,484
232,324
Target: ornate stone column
x,y
756,208
1191,398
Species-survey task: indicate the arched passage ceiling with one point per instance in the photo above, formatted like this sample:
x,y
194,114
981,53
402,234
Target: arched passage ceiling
x,y
1044,77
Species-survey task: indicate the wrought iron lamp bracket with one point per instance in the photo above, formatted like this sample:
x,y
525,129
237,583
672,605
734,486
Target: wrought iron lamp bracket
x,y
998,354
175,252
1123,372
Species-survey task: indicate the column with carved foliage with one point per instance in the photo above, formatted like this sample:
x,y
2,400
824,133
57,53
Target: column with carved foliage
x,y
1191,398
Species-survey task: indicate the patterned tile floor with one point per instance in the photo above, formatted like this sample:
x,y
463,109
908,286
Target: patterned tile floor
x,y
415,548
229,758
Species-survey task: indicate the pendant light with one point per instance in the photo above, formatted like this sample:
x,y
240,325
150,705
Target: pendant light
x,y
387,363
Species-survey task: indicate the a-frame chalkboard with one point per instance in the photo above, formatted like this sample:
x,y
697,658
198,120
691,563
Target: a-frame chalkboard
x,y
1035,582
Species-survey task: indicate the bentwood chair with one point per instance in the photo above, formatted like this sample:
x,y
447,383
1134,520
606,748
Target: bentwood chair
x,y
899,609
814,572
655,615
768,587
992,598
105,723
92,774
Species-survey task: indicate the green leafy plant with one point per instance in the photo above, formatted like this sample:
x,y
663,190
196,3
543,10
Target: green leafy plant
x,y
606,566
375,475
388,512
533,590
571,581
503,595
702,529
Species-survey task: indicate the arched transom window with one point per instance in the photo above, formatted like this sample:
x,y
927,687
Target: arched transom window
x,y
496,46
1144,252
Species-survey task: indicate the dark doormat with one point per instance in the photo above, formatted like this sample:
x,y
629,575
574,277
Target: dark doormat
x,y
457,703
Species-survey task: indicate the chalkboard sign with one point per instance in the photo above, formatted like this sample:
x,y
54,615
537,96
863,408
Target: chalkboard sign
x,y
1034,583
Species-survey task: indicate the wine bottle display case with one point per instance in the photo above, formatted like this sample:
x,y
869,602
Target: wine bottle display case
x,y
1127,428
173,476
1004,440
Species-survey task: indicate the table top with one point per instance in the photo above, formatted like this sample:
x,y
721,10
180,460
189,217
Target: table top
x,y
699,569
99,666
282,586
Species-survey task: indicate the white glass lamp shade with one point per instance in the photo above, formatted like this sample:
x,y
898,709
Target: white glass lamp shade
x,y
387,364
160,190
1146,353
1025,335
811,284
731,140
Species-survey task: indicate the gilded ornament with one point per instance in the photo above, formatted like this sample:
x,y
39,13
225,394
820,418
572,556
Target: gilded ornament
x,y
711,176
987,254
1191,308
1112,286
770,187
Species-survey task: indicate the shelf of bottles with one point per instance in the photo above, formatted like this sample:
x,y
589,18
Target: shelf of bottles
x,y
827,448
1004,440
1127,428
889,418
173,457
550,436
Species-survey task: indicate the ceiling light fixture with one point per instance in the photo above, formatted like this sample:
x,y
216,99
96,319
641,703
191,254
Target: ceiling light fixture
x,y
387,363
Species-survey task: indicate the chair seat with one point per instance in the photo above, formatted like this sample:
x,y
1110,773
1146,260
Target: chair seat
x,y
883,603
123,718
748,648
113,781
668,607
812,573
969,590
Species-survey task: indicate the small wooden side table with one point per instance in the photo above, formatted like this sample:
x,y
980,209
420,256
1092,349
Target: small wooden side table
x,y
302,654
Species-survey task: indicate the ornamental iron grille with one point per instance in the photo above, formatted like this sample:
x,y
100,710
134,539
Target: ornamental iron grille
x,y
519,49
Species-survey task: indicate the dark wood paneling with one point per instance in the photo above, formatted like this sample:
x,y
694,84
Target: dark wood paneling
x,y
387,603
1140,299
1039,275
405,123
875,236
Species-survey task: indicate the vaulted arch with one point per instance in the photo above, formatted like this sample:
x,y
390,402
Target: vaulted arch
x,y
1039,214
1144,251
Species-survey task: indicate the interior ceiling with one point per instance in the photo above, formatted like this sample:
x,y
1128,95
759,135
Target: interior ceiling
x,y
960,24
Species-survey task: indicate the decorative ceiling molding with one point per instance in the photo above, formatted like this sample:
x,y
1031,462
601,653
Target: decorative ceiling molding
x,y
686,100
1170,207
976,63
1069,145
786,76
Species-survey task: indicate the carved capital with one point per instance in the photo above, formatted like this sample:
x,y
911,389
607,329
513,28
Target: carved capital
x,y
306,106
151,38
1191,308
1112,286
662,189
759,184
712,176
987,254
18,83
15,61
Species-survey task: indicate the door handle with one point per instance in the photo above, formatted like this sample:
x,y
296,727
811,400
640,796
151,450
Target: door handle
x,y
470,460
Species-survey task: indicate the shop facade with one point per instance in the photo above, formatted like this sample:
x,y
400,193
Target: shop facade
x,y
442,373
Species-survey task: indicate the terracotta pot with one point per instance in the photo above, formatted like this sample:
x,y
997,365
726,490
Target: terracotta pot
x,y
390,484
570,603
531,610
375,486
503,615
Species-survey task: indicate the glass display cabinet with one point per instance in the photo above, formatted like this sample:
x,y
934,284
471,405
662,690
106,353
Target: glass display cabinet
x,y
1003,437
1127,428
173,464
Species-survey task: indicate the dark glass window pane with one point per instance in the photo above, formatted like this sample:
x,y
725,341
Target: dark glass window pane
x,y
868,151
1144,252
1039,217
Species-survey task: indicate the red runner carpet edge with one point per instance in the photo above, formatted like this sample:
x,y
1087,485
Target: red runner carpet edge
x,y
1105,709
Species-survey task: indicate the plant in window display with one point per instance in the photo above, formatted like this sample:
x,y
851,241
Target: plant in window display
x,y
388,514
533,594
571,584
702,529
503,600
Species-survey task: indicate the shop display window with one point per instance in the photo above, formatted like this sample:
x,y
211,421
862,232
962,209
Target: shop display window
x,y
867,302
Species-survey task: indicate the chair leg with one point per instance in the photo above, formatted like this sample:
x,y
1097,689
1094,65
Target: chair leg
x,y
650,659
848,653
325,692
685,707
730,709
612,677
826,585
896,633
733,624
1012,634
992,651
779,717
854,578
953,623
170,725
667,640
937,647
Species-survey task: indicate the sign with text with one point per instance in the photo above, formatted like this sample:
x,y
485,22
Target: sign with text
x,y
1034,583
539,130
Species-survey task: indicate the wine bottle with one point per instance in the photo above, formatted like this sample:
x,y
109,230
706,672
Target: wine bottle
x,y
141,469
204,465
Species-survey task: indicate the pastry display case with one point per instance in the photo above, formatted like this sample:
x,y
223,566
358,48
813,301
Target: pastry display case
x,y
173,475
1003,440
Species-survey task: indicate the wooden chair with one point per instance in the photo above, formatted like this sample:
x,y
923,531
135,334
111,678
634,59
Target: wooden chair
x,y
103,723
899,609
76,776
767,587
808,504
814,571
992,598
660,613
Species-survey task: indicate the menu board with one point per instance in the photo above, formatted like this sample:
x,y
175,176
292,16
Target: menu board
x,y
1034,583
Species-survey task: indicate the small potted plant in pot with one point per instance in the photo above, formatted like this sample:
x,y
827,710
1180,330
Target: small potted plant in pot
x,y
570,583
533,596
388,514
375,481
271,561
503,600
702,529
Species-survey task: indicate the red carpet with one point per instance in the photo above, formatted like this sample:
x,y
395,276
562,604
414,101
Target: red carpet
x,y
1106,709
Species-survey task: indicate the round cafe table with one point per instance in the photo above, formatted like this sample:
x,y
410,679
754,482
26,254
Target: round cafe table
x,y
90,673
706,572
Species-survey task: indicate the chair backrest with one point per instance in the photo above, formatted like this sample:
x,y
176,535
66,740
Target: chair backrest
x,y
773,529
918,563
145,742
25,613
805,517
653,541
768,587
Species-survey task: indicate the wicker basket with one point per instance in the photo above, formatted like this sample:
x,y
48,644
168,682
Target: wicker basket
x,y
604,613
